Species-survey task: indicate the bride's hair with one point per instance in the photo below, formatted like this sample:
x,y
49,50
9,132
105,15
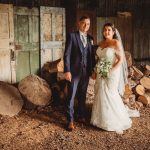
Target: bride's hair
x,y
113,28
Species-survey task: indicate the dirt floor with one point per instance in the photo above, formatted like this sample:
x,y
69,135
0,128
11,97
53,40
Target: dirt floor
x,y
44,129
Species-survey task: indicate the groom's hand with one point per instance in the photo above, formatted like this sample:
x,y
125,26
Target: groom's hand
x,y
68,76
93,76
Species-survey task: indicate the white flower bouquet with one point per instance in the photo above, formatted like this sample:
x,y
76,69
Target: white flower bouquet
x,y
103,67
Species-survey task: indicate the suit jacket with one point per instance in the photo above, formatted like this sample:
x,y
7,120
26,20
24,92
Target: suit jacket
x,y
74,52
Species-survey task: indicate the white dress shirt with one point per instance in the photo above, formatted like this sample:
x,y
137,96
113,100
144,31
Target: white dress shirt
x,y
83,37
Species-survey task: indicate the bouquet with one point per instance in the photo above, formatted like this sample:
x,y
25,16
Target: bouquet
x,y
103,67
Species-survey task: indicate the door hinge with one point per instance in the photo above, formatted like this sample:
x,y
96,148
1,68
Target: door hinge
x,y
12,55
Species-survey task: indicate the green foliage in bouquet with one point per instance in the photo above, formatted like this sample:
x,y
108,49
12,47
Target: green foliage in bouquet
x,y
103,67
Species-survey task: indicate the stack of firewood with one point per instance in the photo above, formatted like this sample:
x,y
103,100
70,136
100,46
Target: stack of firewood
x,y
137,91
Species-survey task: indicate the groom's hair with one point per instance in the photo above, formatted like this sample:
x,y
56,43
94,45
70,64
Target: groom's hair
x,y
83,18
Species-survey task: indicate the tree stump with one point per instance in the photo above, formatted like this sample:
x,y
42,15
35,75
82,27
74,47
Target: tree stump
x,y
35,90
10,100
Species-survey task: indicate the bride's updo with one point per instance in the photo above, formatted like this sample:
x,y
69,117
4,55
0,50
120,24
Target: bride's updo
x,y
113,28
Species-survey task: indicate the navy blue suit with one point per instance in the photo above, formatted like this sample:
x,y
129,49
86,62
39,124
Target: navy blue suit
x,y
80,61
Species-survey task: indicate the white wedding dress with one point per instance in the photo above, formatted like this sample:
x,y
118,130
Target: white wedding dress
x,y
109,111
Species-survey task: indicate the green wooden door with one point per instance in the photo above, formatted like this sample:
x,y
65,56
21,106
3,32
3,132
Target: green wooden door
x,y
26,41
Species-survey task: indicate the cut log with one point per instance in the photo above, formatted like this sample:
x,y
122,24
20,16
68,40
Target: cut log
x,y
145,99
139,105
51,67
140,90
127,92
59,92
132,99
131,83
131,72
11,101
35,90
128,58
130,102
49,71
147,70
137,73
147,67
145,81
148,93
60,66
60,76
125,100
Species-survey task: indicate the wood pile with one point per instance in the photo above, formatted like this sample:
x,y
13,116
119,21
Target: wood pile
x,y
137,91
49,71
52,72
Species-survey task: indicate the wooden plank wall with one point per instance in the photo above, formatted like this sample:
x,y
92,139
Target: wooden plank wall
x,y
34,3
142,33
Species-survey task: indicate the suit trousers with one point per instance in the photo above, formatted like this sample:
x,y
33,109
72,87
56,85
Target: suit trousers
x,y
78,85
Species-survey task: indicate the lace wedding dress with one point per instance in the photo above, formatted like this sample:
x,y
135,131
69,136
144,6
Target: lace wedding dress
x,y
109,111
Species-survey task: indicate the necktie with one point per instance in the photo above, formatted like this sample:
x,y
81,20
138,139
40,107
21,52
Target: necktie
x,y
84,41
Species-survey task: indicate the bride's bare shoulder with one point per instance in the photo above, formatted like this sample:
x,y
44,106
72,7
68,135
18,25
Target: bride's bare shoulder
x,y
116,42
117,45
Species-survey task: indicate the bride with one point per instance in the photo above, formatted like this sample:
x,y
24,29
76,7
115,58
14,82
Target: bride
x,y
109,112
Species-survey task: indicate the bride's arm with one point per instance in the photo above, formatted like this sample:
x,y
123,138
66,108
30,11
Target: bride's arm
x,y
119,55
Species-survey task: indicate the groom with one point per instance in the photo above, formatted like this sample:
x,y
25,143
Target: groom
x,y
79,61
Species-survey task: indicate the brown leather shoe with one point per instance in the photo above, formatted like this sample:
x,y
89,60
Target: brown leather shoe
x,y
71,126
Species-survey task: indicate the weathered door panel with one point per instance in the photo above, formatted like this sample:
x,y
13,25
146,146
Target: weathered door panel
x,y
23,64
34,60
7,64
52,28
26,41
